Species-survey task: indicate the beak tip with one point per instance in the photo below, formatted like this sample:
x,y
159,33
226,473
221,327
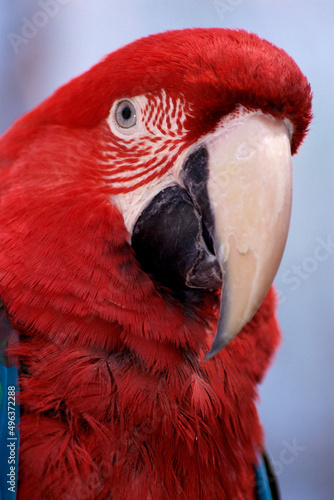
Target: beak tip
x,y
217,345
209,355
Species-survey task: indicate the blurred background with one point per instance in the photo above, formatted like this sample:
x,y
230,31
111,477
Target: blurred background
x,y
44,43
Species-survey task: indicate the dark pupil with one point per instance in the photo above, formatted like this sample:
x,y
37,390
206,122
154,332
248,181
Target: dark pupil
x,y
126,113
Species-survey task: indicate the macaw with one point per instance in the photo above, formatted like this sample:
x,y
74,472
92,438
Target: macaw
x,y
145,207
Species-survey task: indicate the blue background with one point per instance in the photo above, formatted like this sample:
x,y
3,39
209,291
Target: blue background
x,y
297,403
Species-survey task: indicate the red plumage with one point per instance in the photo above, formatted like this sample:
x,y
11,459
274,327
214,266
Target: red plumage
x,y
117,400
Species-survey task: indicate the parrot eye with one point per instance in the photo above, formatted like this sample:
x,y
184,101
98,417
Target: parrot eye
x,y
125,114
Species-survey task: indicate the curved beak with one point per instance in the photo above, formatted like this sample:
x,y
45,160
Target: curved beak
x,y
250,189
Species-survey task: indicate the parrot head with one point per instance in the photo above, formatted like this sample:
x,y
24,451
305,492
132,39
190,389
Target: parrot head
x,y
189,136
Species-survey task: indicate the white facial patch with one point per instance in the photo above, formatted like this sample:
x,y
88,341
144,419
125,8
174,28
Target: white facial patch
x,y
132,204
146,157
